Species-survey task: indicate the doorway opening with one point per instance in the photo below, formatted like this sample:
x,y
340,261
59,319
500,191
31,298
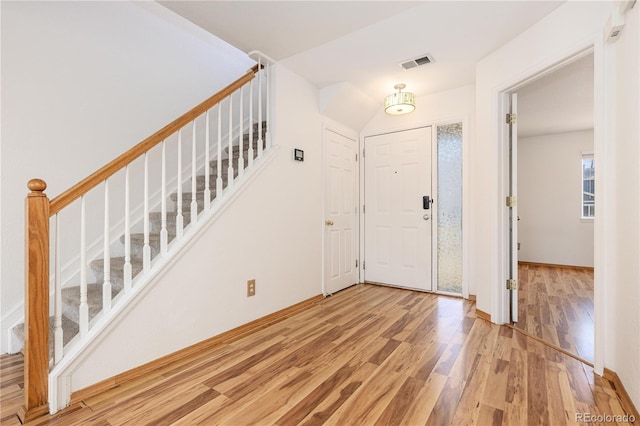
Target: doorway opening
x,y
553,224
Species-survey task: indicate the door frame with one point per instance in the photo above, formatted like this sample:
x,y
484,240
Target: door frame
x,y
603,176
349,134
466,211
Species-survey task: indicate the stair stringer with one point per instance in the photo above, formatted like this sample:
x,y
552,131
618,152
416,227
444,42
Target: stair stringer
x,y
60,380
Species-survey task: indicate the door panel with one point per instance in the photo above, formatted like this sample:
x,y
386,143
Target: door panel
x,y
340,212
397,235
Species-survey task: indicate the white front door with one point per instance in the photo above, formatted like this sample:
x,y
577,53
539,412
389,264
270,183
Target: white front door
x,y
340,212
397,216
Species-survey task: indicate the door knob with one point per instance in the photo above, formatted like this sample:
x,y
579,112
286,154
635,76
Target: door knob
x,y
426,216
328,222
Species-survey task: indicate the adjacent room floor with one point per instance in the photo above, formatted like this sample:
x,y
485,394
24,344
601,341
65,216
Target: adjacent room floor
x,y
368,355
555,303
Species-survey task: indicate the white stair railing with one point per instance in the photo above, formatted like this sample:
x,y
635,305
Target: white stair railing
x,y
120,256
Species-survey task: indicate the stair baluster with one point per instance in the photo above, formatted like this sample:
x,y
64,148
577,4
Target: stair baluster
x,y
250,124
127,272
194,173
267,106
230,146
179,219
58,333
241,136
259,77
219,162
146,248
106,285
207,191
164,235
83,310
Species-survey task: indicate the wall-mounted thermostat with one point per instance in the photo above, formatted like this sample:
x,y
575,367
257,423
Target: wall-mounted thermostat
x,y
298,155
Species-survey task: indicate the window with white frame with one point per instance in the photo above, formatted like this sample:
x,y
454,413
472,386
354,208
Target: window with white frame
x,y
588,187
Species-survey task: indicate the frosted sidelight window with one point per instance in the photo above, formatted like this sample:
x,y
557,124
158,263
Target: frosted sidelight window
x,y
449,208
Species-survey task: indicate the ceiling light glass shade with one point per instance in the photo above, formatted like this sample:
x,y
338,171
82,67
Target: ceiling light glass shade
x,y
400,102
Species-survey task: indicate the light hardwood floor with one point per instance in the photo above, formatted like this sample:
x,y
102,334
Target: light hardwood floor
x,y
555,303
369,355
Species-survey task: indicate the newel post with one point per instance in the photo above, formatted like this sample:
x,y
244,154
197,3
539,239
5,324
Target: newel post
x,y
36,302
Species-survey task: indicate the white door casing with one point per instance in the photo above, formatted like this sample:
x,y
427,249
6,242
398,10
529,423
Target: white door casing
x,y
340,212
513,210
398,247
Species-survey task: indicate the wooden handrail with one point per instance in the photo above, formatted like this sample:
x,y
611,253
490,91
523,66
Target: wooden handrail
x,y
84,186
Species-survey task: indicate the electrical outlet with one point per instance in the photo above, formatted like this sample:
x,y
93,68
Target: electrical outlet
x,y
251,288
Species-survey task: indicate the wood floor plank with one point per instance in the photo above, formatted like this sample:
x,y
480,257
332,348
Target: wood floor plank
x,y
401,401
338,396
320,393
538,402
424,403
445,407
468,408
366,406
496,384
490,416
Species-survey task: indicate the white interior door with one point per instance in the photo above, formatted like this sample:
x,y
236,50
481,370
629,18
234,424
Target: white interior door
x,y
397,224
513,209
340,212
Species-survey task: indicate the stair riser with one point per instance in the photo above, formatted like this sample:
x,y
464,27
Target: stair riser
x,y
71,301
117,274
155,222
137,247
246,145
187,197
213,181
224,163
255,135
245,152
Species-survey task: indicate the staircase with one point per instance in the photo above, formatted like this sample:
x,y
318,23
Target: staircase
x,y
71,293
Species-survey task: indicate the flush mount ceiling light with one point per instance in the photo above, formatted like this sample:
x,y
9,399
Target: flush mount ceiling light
x,y
400,102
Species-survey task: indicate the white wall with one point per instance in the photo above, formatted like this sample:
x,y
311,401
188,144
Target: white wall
x,y
549,200
81,83
571,27
445,107
271,233
623,299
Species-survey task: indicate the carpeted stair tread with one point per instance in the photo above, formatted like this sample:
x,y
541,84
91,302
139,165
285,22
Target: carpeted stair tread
x,y
155,221
245,144
213,180
186,199
224,163
137,242
117,270
71,300
69,331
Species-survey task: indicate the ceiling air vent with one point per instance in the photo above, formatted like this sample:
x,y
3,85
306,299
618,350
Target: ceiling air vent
x,y
412,63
